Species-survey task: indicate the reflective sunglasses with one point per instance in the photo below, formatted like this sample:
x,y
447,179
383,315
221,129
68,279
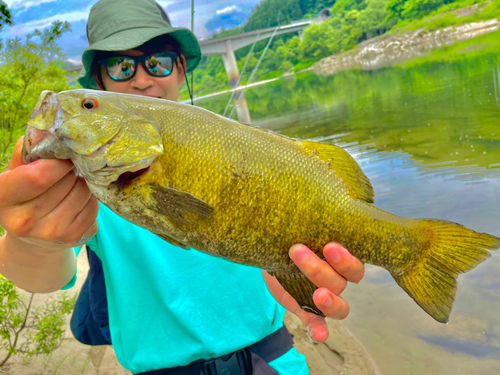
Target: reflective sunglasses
x,y
122,68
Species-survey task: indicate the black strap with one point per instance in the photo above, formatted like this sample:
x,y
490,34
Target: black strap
x,y
267,349
274,345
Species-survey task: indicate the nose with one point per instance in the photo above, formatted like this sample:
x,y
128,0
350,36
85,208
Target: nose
x,y
141,80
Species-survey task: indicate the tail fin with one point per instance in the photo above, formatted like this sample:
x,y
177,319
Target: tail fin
x,y
453,249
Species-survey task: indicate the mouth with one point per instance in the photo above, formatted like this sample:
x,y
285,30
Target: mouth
x,y
126,178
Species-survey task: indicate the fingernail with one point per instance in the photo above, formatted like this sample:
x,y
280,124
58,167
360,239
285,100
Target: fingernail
x,y
328,301
298,254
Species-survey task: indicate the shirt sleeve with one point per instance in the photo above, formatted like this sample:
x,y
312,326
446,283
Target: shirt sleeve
x,y
72,282
92,243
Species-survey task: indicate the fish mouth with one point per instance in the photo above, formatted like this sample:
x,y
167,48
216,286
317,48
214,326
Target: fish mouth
x,y
127,178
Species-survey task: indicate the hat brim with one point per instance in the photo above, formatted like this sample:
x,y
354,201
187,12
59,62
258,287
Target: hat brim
x,y
130,39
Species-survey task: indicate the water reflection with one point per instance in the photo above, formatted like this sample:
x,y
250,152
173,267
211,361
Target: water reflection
x,y
427,134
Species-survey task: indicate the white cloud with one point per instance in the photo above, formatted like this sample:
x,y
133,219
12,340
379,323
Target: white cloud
x,y
15,4
75,61
164,3
227,10
23,29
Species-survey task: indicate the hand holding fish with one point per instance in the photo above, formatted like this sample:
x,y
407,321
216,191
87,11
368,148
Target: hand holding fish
x,y
45,209
330,276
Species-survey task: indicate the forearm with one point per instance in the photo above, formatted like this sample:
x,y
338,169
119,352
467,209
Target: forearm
x,y
33,268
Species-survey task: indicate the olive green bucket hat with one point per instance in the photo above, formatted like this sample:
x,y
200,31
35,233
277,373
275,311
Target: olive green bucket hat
x,y
117,25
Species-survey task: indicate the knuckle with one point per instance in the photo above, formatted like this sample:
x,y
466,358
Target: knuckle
x,y
315,270
20,225
38,178
51,232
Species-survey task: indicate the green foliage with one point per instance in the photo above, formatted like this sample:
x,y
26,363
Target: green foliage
x,y
447,15
5,15
225,33
34,65
26,330
271,13
413,9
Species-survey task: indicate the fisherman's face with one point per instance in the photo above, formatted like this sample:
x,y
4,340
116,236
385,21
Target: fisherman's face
x,y
143,83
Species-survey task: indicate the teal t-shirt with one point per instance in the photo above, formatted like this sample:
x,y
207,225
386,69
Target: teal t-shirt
x,y
169,307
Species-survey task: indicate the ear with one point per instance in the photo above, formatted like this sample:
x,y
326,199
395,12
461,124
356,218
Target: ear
x,y
181,73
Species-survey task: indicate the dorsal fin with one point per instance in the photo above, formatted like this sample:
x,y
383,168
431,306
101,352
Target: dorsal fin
x,y
344,167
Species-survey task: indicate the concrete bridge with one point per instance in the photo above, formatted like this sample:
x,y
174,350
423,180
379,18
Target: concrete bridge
x,y
226,47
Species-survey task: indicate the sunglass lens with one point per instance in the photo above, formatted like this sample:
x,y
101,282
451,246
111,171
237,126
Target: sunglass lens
x,y
160,64
120,68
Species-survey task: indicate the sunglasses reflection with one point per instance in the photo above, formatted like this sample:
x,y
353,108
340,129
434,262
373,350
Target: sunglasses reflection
x,y
126,68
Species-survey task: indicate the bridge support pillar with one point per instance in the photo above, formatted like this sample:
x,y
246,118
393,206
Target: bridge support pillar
x,y
233,75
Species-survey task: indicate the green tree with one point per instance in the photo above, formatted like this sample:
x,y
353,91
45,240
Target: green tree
x,y
34,65
400,10
5,15
28,331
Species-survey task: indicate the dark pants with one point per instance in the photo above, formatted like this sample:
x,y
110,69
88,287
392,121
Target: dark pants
x,y
90,322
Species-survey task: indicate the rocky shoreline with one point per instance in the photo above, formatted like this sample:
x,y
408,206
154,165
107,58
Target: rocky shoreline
x,y
388,50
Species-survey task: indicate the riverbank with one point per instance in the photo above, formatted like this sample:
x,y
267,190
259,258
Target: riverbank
x,y
342,353
395,49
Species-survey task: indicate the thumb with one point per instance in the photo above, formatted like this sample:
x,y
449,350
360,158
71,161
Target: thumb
x,y
17,158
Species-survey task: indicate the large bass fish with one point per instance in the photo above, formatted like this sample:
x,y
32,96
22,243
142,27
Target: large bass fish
x,y
202,181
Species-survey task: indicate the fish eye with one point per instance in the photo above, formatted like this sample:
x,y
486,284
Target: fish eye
x,y
89,103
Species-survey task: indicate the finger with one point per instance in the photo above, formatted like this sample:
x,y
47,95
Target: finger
x,y
17,158
27,182
349,267
317,270
318,329
75,204
59,224
331,305
73,233
85,222
46,202
316,325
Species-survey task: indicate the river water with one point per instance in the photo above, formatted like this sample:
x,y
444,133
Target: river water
x,y
427,134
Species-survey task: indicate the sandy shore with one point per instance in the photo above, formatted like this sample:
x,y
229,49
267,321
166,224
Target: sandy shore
x,y
341,354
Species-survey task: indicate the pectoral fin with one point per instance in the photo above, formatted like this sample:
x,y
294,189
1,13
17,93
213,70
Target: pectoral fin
x,y
345,167
300,288
180,207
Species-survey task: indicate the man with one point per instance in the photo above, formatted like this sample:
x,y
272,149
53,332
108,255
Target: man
x,y
171,311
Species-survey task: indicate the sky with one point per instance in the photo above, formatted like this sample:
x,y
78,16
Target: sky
x,y
210,16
